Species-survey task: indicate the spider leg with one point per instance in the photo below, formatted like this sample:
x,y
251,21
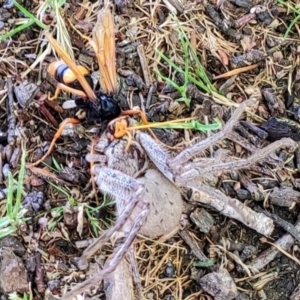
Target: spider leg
x,y
193,172
189,153
158,155
135,272
120,186
210,196
55,138
231,207
161,159
115,260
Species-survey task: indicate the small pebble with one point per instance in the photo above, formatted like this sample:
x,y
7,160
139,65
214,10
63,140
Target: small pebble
x,y
5,170
169,270
34,201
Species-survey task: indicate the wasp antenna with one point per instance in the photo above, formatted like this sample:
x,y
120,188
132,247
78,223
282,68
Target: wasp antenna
x,y
69,62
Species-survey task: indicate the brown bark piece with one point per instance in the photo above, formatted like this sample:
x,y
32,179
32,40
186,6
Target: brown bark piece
x,y
13,275
25,92
202,219
186,236
284,196
13,244
219,284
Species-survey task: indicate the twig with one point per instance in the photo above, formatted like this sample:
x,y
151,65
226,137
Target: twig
x,y
252,57
271,253
264,240
144,64
194,247
236,71
10,113
231,207
282,223
39,273
176,4
259,132
40,59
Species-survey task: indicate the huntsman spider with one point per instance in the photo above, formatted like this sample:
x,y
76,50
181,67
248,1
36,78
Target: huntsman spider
x,y
118,177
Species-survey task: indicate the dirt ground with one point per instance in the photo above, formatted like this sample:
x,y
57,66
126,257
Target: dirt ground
x,y
245,49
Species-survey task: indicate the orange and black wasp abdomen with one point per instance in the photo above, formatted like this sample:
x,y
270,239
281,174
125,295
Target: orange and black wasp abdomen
x,y
63,74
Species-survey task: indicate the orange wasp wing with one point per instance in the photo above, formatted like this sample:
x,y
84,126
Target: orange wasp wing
x,y
86,87
103,43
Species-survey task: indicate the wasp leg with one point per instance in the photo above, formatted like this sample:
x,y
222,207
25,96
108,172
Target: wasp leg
x,y
55,138
62,87
121,129
131,112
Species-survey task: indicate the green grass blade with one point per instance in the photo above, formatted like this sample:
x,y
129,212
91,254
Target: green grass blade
x,y
186,60
56,164
193,124
173,65
60,189
285,3
205,264
294,21
31,20
199,83
169,81
30,16
71,200
207,127
179,70
10,195
16,30
7,231
200,71
4,221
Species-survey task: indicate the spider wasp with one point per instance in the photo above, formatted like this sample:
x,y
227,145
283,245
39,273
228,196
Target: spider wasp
x,y
76,79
